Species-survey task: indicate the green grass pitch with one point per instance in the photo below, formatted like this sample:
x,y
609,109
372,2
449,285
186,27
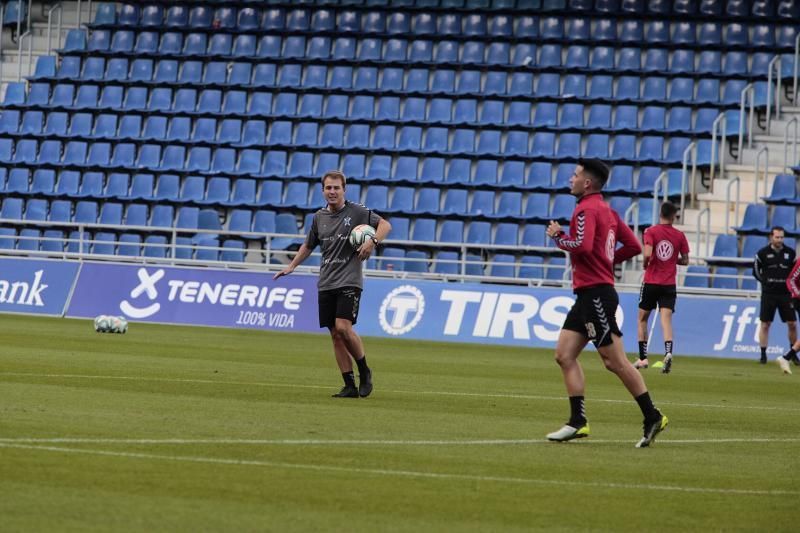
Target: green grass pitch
x,y
198,429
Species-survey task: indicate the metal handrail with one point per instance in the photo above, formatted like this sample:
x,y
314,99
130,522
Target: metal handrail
x,y
738,183
774,63
786,142
662,182
763,150
720,122
689,151
29,35
794,74
749,89
707,212
2,17
80,13
59,7
631,214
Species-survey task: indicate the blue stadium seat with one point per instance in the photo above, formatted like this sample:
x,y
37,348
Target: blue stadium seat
x,y
725,277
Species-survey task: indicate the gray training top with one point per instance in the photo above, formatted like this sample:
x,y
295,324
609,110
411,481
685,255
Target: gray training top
x,y
340,264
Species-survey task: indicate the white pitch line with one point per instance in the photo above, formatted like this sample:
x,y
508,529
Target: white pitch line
x,y
407,473
434,393
374,442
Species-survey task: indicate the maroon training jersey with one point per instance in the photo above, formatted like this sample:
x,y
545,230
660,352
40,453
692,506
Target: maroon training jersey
x,y
596,229
793,280
668,243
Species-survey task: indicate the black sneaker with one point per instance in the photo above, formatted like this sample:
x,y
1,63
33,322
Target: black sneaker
x,y
348,391
763,360
651,429
794,359
365,384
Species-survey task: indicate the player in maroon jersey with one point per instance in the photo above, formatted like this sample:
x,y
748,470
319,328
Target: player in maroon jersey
x,y
793,284
664,248
593,252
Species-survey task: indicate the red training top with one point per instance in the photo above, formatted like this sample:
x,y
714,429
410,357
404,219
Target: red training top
x,y
793,280
593,248
667,243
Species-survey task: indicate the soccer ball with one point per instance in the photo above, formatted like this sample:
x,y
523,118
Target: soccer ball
x,y
110,324
101,323
360,234
118,324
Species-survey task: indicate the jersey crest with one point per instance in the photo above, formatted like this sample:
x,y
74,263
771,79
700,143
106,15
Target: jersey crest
x,y
664,250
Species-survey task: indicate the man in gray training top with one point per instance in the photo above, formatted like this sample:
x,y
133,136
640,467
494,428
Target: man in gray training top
x,y
340,276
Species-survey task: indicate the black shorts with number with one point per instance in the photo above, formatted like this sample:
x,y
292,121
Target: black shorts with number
x,y
338,303
594,314
663,295
781,302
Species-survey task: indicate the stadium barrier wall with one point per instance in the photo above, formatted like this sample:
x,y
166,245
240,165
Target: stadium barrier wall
x,y
420,310
39,287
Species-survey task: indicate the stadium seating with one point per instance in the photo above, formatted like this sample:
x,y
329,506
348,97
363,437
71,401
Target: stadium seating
x,y
470,118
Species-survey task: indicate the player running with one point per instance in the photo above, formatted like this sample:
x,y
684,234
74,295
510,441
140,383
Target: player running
x,y
658,288
793,284
593,252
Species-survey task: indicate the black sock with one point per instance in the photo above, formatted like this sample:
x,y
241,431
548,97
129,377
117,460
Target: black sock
x,y
642,350
790,354
362,366
667,347
577,415
349,378
646,405
763,352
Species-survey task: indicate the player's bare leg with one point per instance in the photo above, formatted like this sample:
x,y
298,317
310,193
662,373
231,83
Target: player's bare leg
x,y
666,328
345,364
763,339
614,359
644,317
568,348
792,327
355,349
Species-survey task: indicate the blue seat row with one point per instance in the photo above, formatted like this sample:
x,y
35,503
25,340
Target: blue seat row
x,y
362,138
346,19
294,78
784,190
759,218
724,277
406,174
387,110
395,50
124,245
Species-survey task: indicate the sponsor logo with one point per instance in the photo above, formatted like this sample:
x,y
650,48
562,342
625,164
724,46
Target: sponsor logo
x,y
201,292
664,250
401,310
147,285
507,315
611,245
735,338
23,292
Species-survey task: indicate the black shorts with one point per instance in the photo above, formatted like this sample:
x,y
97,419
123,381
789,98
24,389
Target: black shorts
x,y
781,302
663,295
338,303
594,314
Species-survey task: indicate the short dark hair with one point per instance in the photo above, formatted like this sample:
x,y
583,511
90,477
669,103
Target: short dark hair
x,y
668,210
773,229
596,169
335,175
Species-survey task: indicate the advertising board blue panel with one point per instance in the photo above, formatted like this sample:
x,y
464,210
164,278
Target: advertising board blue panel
x,y
34,286
196,296
526,316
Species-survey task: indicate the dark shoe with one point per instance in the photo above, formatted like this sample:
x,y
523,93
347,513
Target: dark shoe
x,y
651,429
667,364
365,384
763,361
795,359
348,391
